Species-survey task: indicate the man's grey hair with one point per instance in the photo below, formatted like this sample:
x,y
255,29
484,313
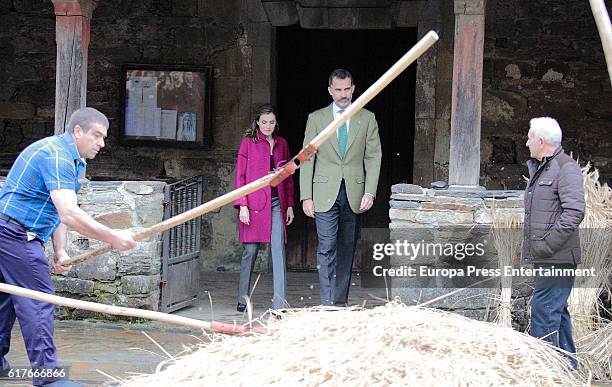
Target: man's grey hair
x,y
85,118
546,128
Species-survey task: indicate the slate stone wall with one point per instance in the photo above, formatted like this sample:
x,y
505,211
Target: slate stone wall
x,y
542,58
130,278
441,216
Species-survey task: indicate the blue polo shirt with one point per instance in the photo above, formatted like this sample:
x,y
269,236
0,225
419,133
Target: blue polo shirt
x,y
48,164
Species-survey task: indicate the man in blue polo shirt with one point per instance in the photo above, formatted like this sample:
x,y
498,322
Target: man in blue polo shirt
x,y
38,202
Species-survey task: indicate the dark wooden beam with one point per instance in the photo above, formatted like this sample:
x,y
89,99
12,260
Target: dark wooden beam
x,y
464,161
72,26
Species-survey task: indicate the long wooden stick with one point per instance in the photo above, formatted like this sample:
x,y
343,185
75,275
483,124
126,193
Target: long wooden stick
x,y
214,326
185,216
602,19
288,169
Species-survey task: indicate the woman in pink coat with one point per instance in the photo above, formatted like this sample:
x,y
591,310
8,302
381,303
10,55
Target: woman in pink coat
x,y
264,214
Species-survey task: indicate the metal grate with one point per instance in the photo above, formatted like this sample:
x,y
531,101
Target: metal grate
x,y
183,239
181,246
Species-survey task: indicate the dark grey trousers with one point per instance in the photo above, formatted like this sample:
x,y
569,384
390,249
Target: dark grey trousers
x,y
336,231
249,256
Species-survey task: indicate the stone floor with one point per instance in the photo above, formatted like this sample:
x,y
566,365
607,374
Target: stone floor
x,y
118,349
302,291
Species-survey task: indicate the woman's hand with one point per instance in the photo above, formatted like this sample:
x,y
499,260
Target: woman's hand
x,y
244,215
289,215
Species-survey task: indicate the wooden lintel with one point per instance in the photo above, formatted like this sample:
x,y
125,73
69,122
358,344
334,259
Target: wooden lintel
x,y
83,8
470,7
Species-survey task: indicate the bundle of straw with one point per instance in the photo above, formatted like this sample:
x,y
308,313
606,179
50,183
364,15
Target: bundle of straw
x,y
507,235
393,344
595,243
596,350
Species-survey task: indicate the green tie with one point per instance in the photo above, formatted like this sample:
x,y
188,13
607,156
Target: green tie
x,y
342,137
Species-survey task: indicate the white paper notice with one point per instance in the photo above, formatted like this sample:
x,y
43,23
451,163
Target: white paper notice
x,y
146,90
133,121
142,121
168,124
151,124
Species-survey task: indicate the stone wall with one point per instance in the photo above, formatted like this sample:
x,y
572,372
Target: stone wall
x,y
542,58
444,216
131,278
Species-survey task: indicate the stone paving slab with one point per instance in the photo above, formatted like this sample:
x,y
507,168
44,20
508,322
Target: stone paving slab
x,y
302,291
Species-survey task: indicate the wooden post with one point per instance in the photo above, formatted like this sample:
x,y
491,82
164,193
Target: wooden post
x,y
72,27
602,19
464,161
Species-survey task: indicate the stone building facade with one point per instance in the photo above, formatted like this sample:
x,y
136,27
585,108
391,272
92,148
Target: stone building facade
x,y
540,58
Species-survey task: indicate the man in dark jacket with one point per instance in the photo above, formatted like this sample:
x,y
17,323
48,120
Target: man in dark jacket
x,y
554,208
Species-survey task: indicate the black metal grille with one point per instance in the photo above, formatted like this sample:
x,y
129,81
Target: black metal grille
x,y
181,247
184,239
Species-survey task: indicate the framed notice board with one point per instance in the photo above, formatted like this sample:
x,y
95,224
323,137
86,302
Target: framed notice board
x,y
168,105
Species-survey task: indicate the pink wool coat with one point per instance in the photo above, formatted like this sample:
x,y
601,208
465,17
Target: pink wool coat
x,y
253,163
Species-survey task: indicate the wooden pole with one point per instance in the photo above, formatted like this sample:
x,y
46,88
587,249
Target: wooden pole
x,y
602,19
466,99
214,326
288,169
72,34
187,215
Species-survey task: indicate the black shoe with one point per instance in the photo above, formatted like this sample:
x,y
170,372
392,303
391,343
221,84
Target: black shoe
x,y
241,307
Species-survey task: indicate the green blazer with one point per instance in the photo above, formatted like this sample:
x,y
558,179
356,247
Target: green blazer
x,y
321,176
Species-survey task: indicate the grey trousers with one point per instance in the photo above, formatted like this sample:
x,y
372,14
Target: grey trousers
x,y
337,234
249,255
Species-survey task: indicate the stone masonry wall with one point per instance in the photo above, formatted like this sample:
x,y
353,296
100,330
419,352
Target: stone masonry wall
x,y
131,278
542,58
443,216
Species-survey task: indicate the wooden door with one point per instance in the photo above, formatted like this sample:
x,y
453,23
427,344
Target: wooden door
x,y
305,60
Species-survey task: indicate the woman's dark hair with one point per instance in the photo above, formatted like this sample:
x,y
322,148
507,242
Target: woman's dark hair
x,y
252,131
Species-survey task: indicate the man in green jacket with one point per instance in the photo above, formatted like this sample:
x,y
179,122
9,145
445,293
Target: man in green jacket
x,y
338,184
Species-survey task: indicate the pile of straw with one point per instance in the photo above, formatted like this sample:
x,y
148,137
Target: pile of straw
x,y
393,344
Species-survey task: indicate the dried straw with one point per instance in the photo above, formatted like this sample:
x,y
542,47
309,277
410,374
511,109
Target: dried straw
x,y
595,241
597,352
596,244
393,344
507,235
